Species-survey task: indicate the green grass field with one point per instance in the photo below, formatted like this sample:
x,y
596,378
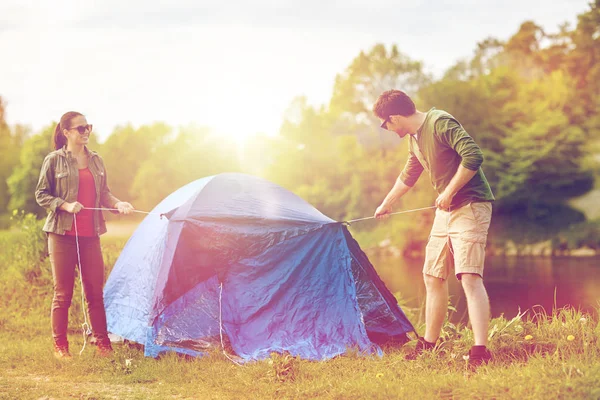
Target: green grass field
x,y
555,356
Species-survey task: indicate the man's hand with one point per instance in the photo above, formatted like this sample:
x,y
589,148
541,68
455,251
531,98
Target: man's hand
x,y
383,211
72,208
444,200
124,207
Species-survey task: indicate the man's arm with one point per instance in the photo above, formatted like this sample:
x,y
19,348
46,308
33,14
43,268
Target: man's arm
x,y
409,176
454,135
399,190
460,179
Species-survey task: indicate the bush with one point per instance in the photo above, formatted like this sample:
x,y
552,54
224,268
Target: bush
x,y
27,250
4,221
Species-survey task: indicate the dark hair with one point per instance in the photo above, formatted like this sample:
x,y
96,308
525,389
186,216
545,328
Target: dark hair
x,y
65,123
394,102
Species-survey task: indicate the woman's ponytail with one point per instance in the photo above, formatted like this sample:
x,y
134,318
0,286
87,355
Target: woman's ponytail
x,y
59,139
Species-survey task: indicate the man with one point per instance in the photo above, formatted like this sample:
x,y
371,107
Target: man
x,y
440,146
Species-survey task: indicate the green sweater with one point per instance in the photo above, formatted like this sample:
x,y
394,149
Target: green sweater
x,y
440,146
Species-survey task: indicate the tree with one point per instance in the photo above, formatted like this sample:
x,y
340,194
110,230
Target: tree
x,y
544,154
192,154
357,88
23,180
126,149
372,73
522,102
11,141
7,158
583,64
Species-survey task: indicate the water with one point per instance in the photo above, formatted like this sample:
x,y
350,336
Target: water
x,y
512,283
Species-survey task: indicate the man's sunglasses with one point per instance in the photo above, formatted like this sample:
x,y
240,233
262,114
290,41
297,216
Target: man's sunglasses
x,y
82,129
385,121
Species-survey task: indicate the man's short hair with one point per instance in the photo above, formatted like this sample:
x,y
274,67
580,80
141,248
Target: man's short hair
x,y
394,102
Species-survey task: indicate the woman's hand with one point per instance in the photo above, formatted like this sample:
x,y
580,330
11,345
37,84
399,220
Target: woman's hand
x,y
124,207
72,208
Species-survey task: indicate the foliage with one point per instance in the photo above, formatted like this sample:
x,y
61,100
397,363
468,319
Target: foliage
x,y
531,102
193,154
11,141
126,150
23,180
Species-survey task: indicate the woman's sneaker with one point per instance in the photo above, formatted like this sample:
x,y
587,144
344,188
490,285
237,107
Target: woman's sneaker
x,y
104,348
61,352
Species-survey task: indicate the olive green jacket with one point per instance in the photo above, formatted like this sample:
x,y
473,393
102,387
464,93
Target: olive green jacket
x,y
59,183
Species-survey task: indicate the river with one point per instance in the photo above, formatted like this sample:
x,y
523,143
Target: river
x,y
512,283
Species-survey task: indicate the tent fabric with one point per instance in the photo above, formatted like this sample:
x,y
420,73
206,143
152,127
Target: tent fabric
x,y
238,255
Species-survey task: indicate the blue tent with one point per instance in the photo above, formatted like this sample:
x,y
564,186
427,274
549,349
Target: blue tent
x,y
238,257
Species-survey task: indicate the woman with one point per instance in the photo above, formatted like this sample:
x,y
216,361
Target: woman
x,y
72,182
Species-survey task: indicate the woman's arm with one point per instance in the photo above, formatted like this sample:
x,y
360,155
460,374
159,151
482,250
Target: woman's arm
x,y
44,189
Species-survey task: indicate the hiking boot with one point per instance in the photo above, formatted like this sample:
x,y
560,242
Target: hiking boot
x,y
61,352
478,355
104,348
422,345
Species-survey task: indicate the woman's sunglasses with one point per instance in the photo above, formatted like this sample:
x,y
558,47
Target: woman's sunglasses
x,y
83,129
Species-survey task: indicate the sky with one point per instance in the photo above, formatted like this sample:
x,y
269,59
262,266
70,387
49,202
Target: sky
x,y
234,66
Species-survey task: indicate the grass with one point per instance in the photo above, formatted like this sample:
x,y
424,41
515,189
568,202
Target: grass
x,y
537,355
548,366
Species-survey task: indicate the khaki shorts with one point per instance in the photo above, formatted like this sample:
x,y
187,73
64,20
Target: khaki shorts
x,y
457,240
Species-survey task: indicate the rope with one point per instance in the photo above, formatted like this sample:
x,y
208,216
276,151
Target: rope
x,y
394,213
221,325
116,209
85,324
85,327
346,222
